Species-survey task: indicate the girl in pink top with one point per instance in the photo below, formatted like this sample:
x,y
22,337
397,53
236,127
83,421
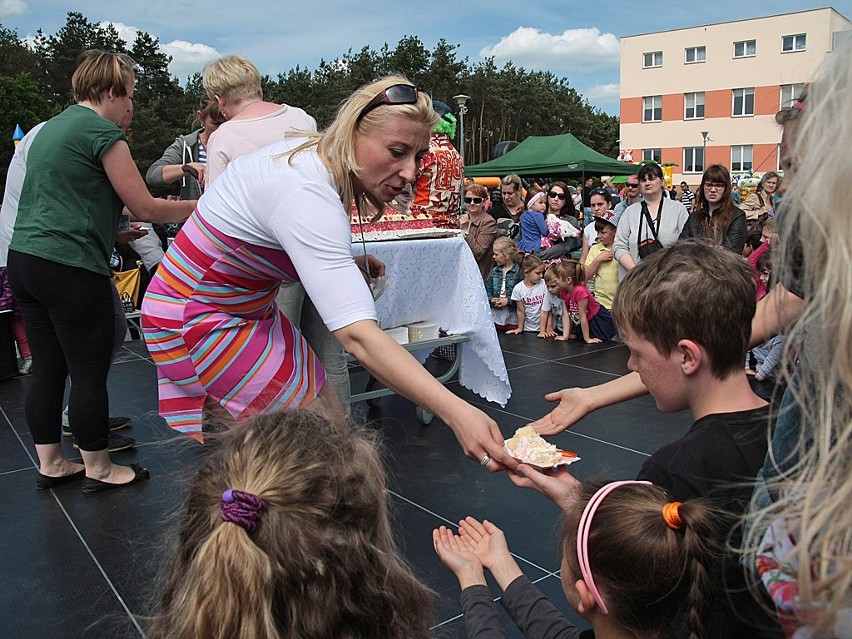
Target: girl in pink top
x,y
580,306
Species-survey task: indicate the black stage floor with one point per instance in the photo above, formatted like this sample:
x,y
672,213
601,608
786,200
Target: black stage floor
x,y
86,565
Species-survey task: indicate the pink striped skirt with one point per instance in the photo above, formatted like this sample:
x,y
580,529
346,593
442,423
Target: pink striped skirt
x,y
213,329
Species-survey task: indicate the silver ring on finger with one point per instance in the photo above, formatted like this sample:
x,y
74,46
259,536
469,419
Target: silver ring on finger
x,y
485,460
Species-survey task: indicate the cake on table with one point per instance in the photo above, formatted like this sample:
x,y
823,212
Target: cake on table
x,y
394,224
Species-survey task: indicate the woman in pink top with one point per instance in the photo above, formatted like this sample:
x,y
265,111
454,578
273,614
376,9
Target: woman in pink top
x,y
250,122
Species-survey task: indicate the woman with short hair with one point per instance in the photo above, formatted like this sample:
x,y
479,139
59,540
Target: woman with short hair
x,y
480,229
250,121
80,175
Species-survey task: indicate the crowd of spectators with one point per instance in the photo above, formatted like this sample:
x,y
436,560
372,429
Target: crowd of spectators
x,y
686,282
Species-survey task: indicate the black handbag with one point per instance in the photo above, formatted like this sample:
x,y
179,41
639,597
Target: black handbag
x,y
652,244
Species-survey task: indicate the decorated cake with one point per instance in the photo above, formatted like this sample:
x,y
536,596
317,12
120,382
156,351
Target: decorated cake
x,y
394,224
528,446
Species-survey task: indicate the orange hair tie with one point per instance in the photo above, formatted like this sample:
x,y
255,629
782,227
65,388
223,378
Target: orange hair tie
x,y
671,515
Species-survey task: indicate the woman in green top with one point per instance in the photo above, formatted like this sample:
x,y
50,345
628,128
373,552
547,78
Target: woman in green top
x,y
79,176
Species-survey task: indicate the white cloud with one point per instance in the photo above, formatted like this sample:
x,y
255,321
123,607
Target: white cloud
x,y
575,50
126,33
602,93
188,57
12,8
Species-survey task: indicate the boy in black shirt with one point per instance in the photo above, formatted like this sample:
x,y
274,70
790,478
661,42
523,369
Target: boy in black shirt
x,y
685,313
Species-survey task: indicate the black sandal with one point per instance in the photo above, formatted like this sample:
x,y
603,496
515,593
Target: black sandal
x,y
95,485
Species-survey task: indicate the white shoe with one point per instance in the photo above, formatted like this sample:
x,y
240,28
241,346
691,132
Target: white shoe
x,y
26,366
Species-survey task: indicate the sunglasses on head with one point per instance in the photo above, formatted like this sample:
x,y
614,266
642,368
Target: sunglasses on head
x,y
395,94
473,200
557,195
599,192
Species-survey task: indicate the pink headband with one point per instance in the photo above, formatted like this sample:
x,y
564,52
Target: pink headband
x,y
583,536
535,198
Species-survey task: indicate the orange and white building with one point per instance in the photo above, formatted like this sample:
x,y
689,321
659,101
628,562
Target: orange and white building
x,y
708,95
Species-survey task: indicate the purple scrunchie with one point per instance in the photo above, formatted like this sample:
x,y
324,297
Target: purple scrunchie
x,y
241,508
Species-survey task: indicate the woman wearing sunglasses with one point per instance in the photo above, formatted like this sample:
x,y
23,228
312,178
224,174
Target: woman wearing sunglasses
x,y
280,214
714,216
560,204
481,228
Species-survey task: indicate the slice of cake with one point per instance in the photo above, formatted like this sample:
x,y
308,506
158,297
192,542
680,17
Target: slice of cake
x,y
529,447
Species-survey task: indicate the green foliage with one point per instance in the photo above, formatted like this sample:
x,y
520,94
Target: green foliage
x,y
21,103
506,104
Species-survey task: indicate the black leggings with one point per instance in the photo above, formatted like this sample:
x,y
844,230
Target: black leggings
x,y
68,315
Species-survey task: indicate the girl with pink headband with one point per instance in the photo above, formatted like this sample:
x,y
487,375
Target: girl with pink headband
x,y
631,561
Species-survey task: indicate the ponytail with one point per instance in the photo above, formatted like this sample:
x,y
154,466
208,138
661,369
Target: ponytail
x,y
530,262
228,576
570,270
644,566
700,531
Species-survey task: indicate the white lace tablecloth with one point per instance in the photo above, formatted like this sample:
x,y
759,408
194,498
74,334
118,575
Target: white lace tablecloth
x,y
437,280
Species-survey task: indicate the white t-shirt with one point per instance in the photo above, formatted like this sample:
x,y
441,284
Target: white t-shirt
x,y
292,204
591,233
533,298
11,196
553,304
239,137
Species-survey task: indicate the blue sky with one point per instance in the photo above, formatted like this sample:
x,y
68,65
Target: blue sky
x,y
575,40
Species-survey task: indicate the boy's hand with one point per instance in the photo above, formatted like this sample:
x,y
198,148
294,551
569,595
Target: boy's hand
x,y
559,486
546,334
594,340
574,404
516,331
456,556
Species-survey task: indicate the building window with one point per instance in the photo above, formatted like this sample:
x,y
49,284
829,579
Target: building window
x,y
652,155
796,42
743,102
741,158
693,159
653,59
696,54
839,37
693,106
652,108
745,49
789,93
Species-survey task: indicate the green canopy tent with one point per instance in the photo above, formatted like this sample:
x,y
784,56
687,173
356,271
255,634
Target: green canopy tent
x,y
553,156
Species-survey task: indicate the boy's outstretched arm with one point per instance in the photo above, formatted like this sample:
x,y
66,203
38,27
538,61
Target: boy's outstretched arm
x,y
774,312
576,403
